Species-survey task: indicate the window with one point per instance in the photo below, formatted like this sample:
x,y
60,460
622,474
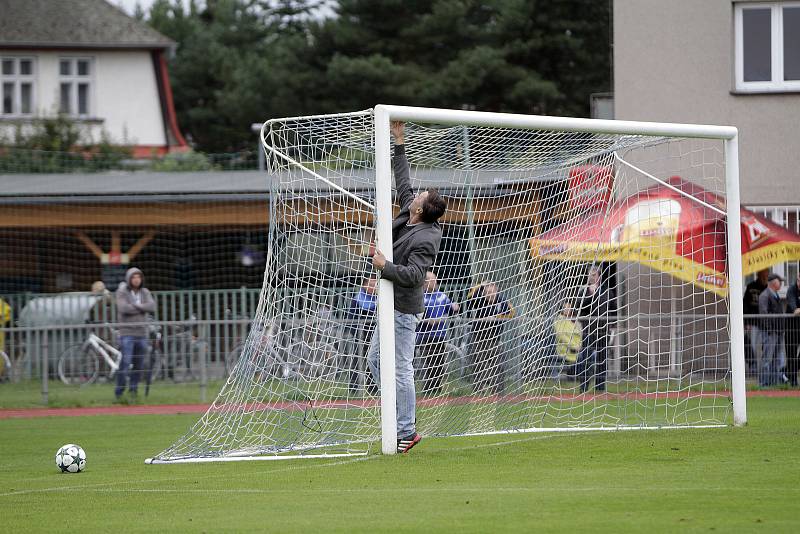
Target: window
x,y
75,86
17,78
767,46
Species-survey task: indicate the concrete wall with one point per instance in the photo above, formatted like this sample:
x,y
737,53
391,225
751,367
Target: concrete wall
x,y
674,62
124,97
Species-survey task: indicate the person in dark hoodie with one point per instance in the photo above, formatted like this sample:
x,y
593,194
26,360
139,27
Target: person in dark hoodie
x,y
134,302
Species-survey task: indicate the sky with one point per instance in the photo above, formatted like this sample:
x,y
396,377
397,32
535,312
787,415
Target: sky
x,y
130,5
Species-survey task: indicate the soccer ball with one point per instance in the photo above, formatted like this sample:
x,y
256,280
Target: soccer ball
x,y
71,458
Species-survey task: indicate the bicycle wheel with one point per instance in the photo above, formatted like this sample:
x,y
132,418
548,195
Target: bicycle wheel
x,y
78,366
232,358
5,367
456,361
183,370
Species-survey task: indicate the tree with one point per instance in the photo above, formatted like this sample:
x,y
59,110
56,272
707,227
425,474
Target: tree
x,y
230,55
502,55
244,61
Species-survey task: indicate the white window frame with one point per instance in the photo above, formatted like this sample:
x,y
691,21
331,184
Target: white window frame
x,y
18,79
777,84
74,80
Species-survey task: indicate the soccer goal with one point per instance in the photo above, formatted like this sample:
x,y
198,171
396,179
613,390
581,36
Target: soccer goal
x,y
588,279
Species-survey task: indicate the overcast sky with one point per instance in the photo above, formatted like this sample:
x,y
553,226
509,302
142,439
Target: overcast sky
x,y
130,5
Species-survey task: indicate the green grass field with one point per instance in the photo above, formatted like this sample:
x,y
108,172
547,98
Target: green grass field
x,y
724,480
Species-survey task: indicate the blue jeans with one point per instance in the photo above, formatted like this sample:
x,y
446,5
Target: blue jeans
x,y
772,358
405,333
133,350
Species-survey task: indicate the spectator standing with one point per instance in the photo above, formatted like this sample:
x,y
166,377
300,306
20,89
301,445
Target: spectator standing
x,y
596,305
432,335
769,303
793,331
6,314
568,339
134,302
361,323
489,311
751,322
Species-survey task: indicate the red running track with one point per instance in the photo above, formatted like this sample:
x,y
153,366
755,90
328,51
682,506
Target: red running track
x,y
172,409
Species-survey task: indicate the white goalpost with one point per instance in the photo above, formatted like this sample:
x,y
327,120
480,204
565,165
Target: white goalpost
x,y
588,279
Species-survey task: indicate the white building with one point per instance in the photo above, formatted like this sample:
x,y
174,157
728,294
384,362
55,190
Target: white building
x,y
90,61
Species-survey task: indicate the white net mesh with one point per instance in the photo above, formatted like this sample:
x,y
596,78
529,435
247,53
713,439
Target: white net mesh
x,y
580,283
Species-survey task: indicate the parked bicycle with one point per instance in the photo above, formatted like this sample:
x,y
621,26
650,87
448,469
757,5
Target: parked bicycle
x,y
6,368
186,350
79,365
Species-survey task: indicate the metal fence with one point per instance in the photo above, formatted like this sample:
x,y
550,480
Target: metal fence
x,y
653,347
645,345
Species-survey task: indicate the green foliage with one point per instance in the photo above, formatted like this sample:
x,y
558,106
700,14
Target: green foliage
x,y
58,145
244,61
183,161
238,61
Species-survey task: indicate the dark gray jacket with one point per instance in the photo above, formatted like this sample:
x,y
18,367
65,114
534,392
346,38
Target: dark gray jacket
x,y
792,298
133,306
413,252
768,303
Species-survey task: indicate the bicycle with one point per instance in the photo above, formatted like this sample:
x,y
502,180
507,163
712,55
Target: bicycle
x,y
154,357
6,369
188,348
79,365
263,355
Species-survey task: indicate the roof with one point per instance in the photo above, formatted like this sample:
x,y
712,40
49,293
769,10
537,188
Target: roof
x,y
142,186
129,186
73,24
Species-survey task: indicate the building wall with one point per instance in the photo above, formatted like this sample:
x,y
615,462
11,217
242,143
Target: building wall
x,y
124,101
674,62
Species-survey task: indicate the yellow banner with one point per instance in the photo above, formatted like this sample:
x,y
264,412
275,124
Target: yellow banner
x,y
658,255
766,257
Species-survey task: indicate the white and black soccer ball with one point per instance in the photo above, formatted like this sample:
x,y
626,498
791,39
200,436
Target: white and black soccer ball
x,y
71,458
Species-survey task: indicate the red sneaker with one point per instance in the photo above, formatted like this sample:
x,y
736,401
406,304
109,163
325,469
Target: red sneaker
x,y
404,444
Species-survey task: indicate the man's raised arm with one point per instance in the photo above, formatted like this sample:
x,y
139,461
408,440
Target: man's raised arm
x,y
402,180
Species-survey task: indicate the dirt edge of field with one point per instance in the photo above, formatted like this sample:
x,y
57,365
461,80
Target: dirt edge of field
x,y
173,409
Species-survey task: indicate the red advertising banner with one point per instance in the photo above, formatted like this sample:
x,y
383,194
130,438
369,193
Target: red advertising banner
x,y
590,187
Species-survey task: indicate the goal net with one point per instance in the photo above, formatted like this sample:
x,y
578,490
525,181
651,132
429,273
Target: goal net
x,y
582,283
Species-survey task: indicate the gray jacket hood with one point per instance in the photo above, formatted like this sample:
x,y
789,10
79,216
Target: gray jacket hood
x,y
130,272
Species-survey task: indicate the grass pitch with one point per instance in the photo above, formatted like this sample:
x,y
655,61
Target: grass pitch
x,y
725,480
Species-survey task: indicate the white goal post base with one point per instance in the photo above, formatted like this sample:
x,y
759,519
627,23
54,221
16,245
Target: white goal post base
x,y
153,461
156,461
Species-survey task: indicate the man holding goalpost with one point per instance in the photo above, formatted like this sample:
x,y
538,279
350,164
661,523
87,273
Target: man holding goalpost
x,y
416,236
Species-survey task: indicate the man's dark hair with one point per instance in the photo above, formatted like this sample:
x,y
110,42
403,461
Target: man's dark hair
x,y
434,206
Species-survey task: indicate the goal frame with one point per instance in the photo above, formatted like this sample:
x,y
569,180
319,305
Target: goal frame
x,y
384,114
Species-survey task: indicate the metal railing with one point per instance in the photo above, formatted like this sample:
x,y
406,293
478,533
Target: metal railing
x,y
652,347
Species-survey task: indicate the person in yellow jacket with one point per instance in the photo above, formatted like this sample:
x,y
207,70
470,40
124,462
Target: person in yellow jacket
x,y
568,338
5,320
